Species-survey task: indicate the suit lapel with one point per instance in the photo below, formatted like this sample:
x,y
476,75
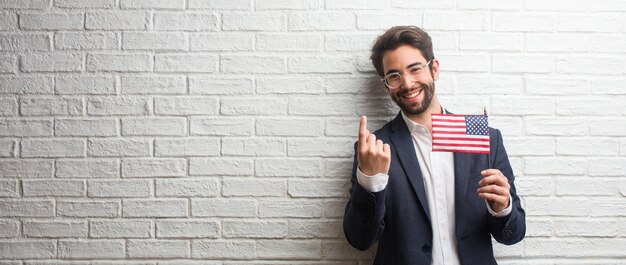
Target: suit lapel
x,y
403,144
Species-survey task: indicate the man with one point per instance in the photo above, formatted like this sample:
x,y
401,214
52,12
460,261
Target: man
x,y
425,207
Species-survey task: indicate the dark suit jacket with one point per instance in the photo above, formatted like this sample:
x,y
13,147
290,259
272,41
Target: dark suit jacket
x,y
398,217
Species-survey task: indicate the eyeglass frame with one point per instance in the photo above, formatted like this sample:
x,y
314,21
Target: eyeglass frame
x,y
401,74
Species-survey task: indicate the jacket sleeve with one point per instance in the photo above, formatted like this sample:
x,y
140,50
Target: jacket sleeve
x,y
510,229
363,219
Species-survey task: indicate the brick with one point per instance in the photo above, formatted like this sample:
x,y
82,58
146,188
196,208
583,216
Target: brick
x,y
58,229
220,166
187,187
590,106
560,206
316,188
91,249
120,228
53,148
586,187
153,167
26,85
220,86
84,4
154,208
253,187
86,41
255,229
289,249
537,227
253,106
114,147
287,4
28,249
578,228
119,62
87,169
119,20
538,146
558,42
8,107
220,4
187,147
522,64
554,166
26,208
187,228
91,208
599,127
239,41
223,207
348,42
338,250
124,188
253,147
157,41
65,21
588,23
253,22
557,86
465,62
289,127
376,106
153,84
325,64
607,207
607,87
154,126
221,126
252,64
574,247
289,85
26,168
56,106
9,188
79,84
525,22
185,21
561,126
9,228
24,42
489,85
186,105
405,4
8,63
492,41
8,21
282,167
85,127
197,63
370,85
381,22
611,43
611,167
315,229
580,65
288,42
151,4
7,148
218,249
324,147
306,21
57,188
291,208
322,105
532,105
587,146
456,20
491,5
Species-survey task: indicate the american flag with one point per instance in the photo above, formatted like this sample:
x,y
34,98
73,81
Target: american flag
x,y
460,133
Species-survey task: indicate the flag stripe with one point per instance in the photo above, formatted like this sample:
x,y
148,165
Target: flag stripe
x,y
460,133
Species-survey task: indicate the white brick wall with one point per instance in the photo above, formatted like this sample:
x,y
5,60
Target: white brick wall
x,y
220,132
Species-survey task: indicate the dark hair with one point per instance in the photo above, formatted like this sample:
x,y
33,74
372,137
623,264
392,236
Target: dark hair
x,y
396,37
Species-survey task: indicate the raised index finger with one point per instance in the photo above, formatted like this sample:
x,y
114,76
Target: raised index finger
x,y
363,130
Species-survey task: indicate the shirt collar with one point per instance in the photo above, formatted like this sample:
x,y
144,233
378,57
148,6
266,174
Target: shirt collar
x,y
415,127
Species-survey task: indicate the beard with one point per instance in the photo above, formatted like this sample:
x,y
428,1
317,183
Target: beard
x,y
416,107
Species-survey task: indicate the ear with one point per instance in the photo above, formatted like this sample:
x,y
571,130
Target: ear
x,y
435,69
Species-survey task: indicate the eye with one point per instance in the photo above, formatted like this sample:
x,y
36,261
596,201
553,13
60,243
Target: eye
x,y
393,77
416,69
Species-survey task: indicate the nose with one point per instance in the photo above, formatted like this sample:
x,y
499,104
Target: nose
x,y
407,81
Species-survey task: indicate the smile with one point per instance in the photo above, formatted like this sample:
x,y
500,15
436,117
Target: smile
x,y
412,95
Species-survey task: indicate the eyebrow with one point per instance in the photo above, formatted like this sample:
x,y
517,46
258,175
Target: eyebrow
x,y
409,66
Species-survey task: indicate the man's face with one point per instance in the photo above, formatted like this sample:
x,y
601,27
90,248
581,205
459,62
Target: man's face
x,y
416,91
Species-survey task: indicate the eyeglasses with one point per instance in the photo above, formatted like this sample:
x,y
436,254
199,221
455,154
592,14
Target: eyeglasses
x,y
394,80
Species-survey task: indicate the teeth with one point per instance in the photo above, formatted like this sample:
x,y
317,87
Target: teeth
x,y
412,95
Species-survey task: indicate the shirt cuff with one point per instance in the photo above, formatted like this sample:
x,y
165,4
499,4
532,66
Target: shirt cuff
x,y
374,183
502,213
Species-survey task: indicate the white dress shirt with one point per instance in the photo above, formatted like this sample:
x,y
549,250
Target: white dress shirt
x,y
437,170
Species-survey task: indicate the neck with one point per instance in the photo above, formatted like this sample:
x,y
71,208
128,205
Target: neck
x,y
424,118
